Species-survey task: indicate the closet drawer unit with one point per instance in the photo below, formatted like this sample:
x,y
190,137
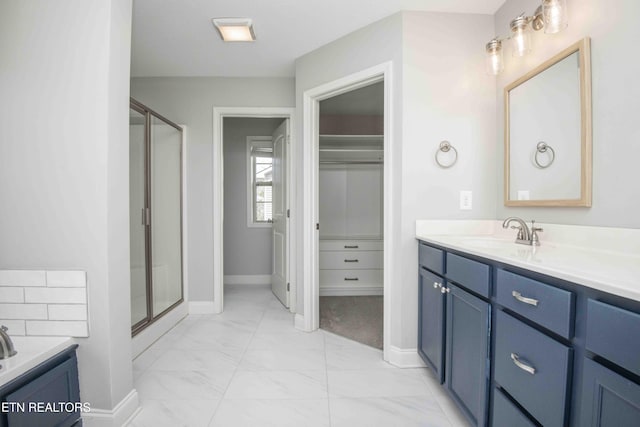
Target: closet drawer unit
x,y
351,245
351,277
431,258
505,413
614,333
350,260
533,368
473,275
546,305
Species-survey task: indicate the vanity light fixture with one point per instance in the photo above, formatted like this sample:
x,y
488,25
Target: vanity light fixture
x,y
550,15
235,29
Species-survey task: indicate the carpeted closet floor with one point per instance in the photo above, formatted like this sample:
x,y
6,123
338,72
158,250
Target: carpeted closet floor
x,y
355,317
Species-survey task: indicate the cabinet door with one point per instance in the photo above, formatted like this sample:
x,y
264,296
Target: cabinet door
x,y
608,399
467,352
431,322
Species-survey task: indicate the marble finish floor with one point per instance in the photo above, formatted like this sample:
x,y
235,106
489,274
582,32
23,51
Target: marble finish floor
x,y
250,367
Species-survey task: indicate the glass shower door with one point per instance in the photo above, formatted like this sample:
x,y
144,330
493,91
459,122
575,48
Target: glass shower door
x,y
166,143
155,216
137,234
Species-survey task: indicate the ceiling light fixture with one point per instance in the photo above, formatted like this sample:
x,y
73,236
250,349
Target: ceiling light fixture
x,y
550,15
235,29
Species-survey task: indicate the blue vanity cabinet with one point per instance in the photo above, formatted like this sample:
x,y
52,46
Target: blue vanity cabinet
x,y
611,399
45,396
467,352
453,331
431,324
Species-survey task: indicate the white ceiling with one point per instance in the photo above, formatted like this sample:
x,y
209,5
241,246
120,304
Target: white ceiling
x,y
177,38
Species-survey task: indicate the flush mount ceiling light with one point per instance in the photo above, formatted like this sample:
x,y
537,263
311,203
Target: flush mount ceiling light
x,y
235,29
550,15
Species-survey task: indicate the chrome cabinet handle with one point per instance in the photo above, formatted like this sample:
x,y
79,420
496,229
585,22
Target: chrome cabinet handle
x,y
350,260
517,295
350,279
437,285
351,246
521,365
445,290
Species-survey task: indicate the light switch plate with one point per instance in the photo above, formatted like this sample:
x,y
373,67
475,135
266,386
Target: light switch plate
x,y
466,200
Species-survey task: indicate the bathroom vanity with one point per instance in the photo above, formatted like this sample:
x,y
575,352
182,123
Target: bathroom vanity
x,y
524,336
39,386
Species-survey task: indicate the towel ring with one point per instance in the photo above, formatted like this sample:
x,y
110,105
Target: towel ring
x,y
445,147
541,148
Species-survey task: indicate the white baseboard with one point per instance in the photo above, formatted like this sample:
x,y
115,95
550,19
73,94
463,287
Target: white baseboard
x,y
298,322
119,416
201,307
253,279
150,334
405,358
341,291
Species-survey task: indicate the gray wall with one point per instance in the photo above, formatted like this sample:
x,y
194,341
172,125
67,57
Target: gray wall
x,y
189,101
64,155
614,32
247,250
440,91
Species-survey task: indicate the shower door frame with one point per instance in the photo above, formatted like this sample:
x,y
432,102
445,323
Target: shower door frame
x,y
149,319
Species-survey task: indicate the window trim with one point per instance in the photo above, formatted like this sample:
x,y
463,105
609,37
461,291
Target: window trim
x,y
251,142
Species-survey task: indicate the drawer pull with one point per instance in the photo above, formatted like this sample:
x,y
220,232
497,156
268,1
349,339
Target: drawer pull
x,y
351,246
521,365
517,295
437,285
350,260
350,279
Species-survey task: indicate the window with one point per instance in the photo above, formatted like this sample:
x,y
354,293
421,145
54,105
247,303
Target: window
x,y
260,181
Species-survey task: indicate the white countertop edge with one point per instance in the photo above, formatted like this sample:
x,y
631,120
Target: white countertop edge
x,y
32,351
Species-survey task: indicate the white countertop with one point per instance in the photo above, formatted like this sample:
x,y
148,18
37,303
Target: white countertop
x,y
606,259
31,352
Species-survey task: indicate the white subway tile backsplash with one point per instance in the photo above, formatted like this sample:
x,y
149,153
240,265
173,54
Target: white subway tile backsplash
x,y
14,327
66,279
56,295
22,278
67,312
57,328
44,303
8,294
23,311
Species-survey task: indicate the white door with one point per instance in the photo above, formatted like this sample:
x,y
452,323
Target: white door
x,y
279,284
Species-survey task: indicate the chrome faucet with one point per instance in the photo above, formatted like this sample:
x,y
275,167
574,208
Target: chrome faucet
x,y
525,235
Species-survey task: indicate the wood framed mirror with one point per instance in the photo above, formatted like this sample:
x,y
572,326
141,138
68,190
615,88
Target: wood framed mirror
x,y
547,132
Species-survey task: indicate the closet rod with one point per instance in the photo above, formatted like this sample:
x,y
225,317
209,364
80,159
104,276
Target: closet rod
x,y
351,162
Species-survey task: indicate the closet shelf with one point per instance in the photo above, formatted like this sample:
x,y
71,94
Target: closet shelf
x,y
351,141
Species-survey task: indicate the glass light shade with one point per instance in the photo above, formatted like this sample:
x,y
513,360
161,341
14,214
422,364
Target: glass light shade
x,y
520,36
555,15
495,63
235,29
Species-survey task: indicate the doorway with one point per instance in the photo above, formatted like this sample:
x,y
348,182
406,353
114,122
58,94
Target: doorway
x,y
350,194
252,225
311,211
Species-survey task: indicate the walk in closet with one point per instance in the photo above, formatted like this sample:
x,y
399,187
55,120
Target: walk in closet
x,y
351,159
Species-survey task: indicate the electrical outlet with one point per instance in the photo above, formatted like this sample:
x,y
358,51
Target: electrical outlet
x,y
466,200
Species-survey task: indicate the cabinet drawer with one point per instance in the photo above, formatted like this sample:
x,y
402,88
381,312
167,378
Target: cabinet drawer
x,y
608,399
505,413
473,275
431,258
543,391
614,333
351,260
546,305
349,245
351,277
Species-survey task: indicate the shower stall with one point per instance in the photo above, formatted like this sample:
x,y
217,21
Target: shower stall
x,y
155,208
